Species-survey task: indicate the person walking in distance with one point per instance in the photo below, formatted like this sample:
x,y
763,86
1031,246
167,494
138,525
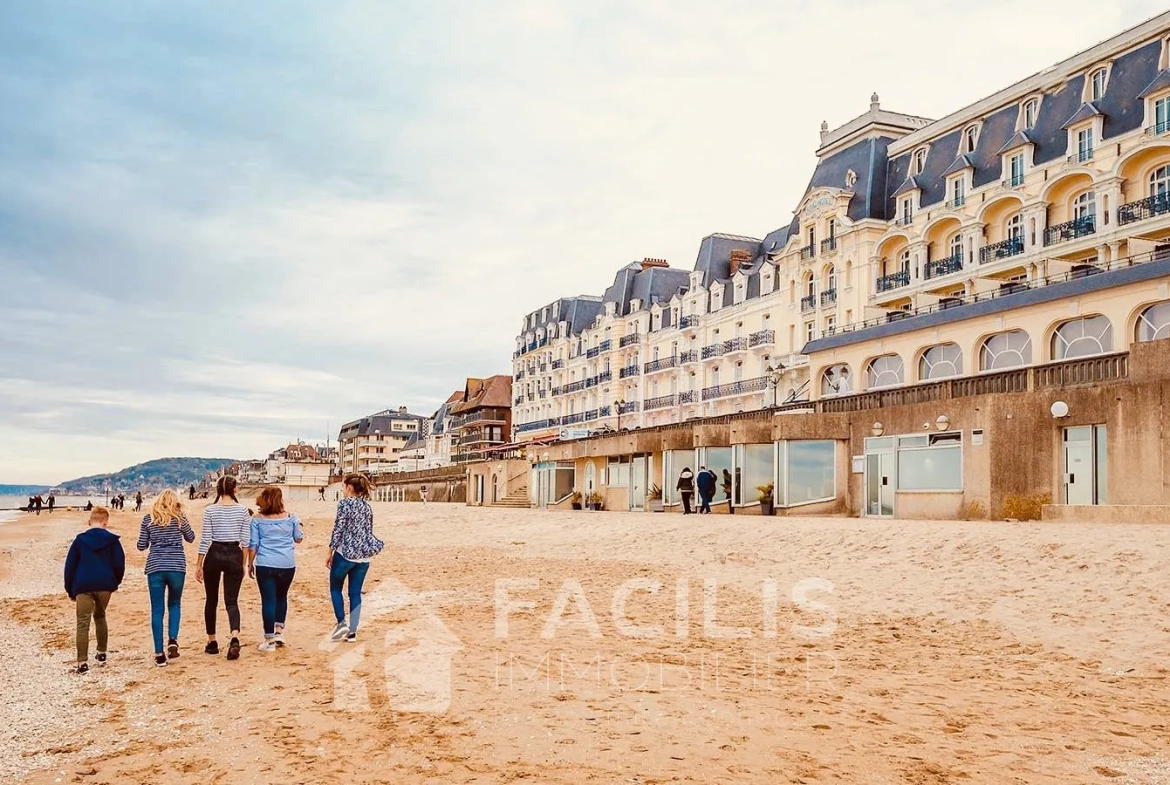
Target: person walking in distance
x,y
222,543
138,502
52,502
422,494
38,502
351,547
686,488
162,534
94,569
705,480
321,491
272,561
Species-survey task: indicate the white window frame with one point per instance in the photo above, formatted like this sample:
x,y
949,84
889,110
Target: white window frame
x,y
970,138
1091,93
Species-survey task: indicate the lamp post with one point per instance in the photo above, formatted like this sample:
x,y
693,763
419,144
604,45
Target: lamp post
x,y
617,409
775,376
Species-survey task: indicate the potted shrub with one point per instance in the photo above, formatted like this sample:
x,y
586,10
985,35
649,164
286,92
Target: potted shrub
x,y
575,500
655,496
594,501
765,497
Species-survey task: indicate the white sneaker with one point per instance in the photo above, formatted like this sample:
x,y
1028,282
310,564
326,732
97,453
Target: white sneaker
x,y
339,632
278,639
267,645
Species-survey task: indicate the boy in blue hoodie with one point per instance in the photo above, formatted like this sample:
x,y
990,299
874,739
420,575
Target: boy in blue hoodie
x,y
93,571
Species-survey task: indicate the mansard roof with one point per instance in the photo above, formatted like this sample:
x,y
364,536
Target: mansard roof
x,y
910,184
1161,82
1086,112
1019,139
961,163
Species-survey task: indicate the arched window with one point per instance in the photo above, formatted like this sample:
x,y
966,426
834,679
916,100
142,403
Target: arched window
x,y
836,380
956,246
904,262
1097,85
831,279
810,285
884,371
941,361
1084,206
1154,322
1001,351
970,137
1160,181
1015,227
919,160
1082,337
1030,109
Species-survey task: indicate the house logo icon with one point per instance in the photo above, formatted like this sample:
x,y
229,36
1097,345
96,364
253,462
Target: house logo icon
x,y
419,653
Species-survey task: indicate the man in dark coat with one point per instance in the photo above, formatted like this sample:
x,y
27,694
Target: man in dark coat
x,y
705,480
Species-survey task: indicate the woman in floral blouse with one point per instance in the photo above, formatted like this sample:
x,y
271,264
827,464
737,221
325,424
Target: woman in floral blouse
x,y
351,547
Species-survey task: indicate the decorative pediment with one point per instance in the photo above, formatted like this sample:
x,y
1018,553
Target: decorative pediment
x,y
823,200
1086,112
1019,139
961,163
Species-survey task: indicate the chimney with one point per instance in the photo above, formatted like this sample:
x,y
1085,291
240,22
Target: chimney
x,y
402,410
874,103
824,129
739,257
647,263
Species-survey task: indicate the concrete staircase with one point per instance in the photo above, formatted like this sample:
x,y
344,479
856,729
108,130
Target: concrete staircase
x,y
517,500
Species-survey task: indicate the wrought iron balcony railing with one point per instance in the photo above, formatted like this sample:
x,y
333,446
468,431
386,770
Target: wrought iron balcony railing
x,y
604,346
590,415
742,387
1015,181
689,396
828,245
573,419
940,267
715,350
662,364
808,252
576,386
661,402
627,340
627,407
604,377
555,364
1159,204
1080,156
762,338
1157,129
593,352
905,220
689,321
733,345
689,356
808,303
955,203
536,425
828,297
893,281
628,371
1070,230
1001,250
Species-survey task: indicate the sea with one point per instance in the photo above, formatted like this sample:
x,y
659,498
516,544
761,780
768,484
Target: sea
x,y
10,505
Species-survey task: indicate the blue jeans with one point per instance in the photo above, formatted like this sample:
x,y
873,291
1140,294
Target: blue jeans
x,y
705,501
166,590
356,571
274,583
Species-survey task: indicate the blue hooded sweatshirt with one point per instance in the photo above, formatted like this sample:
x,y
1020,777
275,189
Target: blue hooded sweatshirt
x,y
96,562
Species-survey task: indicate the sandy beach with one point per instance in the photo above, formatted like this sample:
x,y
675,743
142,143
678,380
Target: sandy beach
x,y
629,648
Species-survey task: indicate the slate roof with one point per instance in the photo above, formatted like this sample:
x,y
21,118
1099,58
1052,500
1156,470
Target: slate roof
x,y
910,184
1019,139
1161,82
494,391
1086,112
961,163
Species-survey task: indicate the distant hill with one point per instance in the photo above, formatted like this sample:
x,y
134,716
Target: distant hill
x,y
22,490
154,475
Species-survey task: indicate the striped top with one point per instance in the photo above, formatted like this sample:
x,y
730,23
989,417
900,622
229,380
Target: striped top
x,y
165,544
225,523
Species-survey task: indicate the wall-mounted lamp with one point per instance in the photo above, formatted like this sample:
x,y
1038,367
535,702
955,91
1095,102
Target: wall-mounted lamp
x,y
942,423
878,429
1059,410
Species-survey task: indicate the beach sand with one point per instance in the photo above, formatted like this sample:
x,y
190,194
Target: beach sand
x,y
920,653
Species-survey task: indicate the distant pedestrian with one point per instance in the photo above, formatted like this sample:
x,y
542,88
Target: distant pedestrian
x,y
222,543
321,491
89,507
422,494
191,492
705,481
351,547
272,561
162,533
52,503
686,488
94,569
727,490
138,502
32,504
38,502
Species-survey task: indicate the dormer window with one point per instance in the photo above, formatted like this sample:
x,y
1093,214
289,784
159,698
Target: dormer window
x,y
970,138
1084,148
1031,107
1097,84
907,209
919,161
958,191
1016,170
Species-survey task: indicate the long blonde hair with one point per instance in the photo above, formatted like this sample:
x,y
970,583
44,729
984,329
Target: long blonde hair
x,y
166,508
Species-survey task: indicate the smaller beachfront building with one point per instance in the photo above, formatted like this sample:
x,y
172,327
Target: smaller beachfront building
x,y
371,444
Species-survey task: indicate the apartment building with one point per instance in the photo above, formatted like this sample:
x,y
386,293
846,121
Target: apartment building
x,y
371,444
481,418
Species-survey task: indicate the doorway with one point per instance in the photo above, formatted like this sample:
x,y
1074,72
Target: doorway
x,y
638,482
880,479
1085,469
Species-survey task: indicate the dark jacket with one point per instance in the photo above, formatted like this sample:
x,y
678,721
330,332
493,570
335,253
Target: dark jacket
x,y
96,562
706,482
686,481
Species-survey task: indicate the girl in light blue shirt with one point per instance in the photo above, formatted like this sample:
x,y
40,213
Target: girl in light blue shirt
x,y
272,561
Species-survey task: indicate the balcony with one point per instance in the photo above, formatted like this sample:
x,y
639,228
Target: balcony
x,y
733,345
590,381
689,356
628,407
828,297
940,267
1142,209
628,340
628,371
808,252
1015,181
762,338
905,220
573,419
557,364
661,402
715,350
541,394
1080,156
828,245
1070,230
689,396
742,387
893,281
604,377
808,303
689,322
591,353
537,425
956,203
576,386
543,368
1001,250
604,346
1157,129
662,364
519,399
603,411
557,391
591,415
520,374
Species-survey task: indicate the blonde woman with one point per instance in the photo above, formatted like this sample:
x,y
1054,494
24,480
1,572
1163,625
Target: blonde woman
x,y
162,534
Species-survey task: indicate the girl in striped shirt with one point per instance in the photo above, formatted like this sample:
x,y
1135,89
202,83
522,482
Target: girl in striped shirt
x,y
222,543
162,534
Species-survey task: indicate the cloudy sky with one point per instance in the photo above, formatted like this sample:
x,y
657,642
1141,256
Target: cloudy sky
x,y
227,225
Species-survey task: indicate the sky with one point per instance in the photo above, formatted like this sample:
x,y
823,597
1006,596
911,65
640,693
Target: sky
x,y
225,226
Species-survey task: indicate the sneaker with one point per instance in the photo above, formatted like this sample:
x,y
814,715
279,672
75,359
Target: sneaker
x,y
212,647
82,668
172,649
100,657
339,632
278,639
160,660
351,637
234,649
267,645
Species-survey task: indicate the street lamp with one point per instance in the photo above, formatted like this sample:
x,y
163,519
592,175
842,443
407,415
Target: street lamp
x,y
775,376
617,408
